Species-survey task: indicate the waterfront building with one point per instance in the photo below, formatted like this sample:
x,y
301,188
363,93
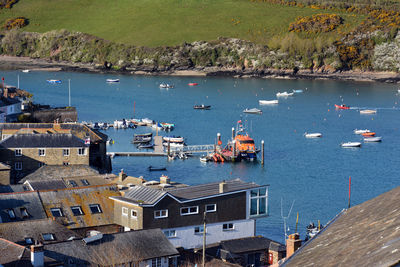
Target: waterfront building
x,y
230,207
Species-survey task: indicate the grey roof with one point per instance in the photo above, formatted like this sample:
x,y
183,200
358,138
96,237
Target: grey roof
x,y
8,101
42,140
364,235
114,249
50,172
16,201
245,245
210,189
45,185
275,246
143,194
12,254
13,188
18,231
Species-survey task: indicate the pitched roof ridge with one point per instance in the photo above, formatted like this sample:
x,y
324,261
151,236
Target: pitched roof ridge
x,y
12,243
77,187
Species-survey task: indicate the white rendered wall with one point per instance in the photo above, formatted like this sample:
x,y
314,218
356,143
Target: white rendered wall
x,y
164,263
186,238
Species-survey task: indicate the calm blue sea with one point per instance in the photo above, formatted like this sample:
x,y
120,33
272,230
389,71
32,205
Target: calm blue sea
x,y
310,173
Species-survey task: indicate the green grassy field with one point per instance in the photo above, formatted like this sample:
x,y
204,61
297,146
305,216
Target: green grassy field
x,y
164,22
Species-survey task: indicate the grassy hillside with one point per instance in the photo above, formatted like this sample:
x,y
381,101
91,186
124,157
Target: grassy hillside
x,y
166,22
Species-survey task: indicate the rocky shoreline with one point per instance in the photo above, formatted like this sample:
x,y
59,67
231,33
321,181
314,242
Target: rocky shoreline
x,y
20,63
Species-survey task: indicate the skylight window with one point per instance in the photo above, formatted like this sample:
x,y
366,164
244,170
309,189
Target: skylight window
x,y
48,237
11,213
77,210
56,212
95,208
29,240
24,213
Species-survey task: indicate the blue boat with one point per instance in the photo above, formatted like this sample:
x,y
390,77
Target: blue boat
x,y
54,81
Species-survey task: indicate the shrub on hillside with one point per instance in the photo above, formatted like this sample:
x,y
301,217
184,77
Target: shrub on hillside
x,y
7,3
316,23
15,23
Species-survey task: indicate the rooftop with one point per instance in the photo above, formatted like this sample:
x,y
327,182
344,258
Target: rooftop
x,y
364,235
41,140
50,172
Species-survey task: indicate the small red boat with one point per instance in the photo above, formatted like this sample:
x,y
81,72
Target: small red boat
x,y
343,106
369,134
192,84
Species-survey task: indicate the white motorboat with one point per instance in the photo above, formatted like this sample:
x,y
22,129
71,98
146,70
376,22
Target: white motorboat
x,y
120,124
149,122
253,111
52,81
351,144
357,131
284,94
204,159
173,139
373,139
112,80
268,102
298,91
174,145
313,135
368,111
25,71
166,86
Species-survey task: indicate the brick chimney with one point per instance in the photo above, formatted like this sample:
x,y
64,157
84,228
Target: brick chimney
x,y
5,92
122,176
292,244
37,255
222,187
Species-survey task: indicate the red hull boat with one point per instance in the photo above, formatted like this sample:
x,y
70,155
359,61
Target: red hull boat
x,y
342,106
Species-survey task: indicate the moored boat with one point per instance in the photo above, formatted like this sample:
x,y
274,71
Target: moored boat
x,y
173,139
368,111
342,106
242,146
144,146
368,134
359,131
152,168
253,111
54,81
25,71
166,85
192,84
268,102
313,135
202,106
351,144
298,91
112,80
284,94
167,126
143,135
373,139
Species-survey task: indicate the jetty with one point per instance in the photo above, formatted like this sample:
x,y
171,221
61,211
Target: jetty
x,y
157,152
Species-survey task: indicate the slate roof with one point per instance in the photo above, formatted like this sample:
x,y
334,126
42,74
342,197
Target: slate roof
x,y
114,249
246,245
13,188
16,201
149,196
77,129
83,197
42,140
8,101
45,185
210,189
364,235
69,182
12,254
18,231
50,172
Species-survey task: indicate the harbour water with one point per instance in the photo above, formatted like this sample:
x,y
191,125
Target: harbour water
x,y
311,173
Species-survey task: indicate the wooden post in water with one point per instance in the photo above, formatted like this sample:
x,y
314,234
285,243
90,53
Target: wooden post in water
x,y
262,152
169,148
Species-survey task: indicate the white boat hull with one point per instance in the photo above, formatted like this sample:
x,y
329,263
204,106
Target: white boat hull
x,y
367,111
284,94
313,135
356,131
373,139
268,102
351,144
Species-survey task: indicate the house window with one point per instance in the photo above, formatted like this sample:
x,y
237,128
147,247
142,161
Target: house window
x,y
18,166
85,182
24,213
95,208
134,214
77,210
42,152
28,240
81,151
160,214
48,237
66,152
227,227
190,210
72,183
170,233
124,211
258,202
18,152
211,207
198,230
11,214
56,212
41,164
156,262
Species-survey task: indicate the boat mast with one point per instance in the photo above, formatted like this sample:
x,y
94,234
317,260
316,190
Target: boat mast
x,y
69,92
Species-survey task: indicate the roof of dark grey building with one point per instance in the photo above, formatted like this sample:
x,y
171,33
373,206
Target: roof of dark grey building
x,y
248,244
210,189
18,203
50,172
12,254
364,235
42,140
34,229
8,101
114,249
144,194
13,188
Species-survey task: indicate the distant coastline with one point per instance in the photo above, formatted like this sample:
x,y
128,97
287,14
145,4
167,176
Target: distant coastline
x,y
20,63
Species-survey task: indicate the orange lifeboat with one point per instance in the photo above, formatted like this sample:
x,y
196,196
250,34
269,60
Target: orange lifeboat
x,y
368,134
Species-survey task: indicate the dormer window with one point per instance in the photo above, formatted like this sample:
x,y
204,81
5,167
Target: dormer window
x,y
95,208
18,152
85,182
77,210
56,212
24,213
72,183
28,240
11,214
